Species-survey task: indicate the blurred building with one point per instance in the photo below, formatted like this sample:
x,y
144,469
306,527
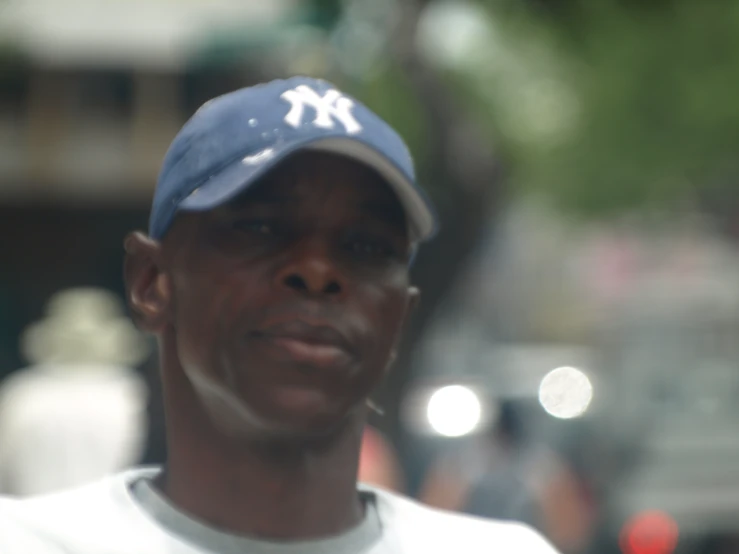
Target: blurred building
x,y
91,94
649,311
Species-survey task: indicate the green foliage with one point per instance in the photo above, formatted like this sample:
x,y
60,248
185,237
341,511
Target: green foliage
x,y
325,13
642,104
394,100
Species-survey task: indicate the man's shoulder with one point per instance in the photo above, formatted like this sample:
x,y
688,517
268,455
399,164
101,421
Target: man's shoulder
x,y
33,524
104,494
86,516
103,513
416,524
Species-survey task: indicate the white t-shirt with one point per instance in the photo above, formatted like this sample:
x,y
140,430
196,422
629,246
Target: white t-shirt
x,y
120,515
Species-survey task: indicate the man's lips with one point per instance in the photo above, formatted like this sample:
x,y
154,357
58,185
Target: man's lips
x,y
313,344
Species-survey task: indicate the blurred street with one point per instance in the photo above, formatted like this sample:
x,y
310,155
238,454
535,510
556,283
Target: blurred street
x,y
574,361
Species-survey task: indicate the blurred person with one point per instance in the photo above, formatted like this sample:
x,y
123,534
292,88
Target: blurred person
x,y
378,462
503,475
275,276
77,413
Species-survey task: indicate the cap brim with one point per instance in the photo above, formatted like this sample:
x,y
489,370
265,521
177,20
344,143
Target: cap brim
x,y
240,175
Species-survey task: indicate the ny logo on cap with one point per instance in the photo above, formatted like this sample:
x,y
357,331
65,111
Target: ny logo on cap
x,y
330,107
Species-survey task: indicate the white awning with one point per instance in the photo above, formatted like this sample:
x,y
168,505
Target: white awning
x,y
159,34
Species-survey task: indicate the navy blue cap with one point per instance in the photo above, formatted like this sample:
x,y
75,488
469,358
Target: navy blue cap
x,y
235,139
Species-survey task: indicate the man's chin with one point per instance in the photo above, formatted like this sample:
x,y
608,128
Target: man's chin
x,y
299,414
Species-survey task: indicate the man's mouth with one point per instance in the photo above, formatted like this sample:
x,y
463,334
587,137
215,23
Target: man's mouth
x,y
309,344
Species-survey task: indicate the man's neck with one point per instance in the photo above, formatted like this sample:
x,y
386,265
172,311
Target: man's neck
x,y
265,492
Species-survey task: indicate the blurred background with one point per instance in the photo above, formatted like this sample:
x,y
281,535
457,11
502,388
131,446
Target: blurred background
x,y
575,361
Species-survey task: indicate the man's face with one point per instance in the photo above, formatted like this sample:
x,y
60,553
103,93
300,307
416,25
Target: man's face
x,y
287,304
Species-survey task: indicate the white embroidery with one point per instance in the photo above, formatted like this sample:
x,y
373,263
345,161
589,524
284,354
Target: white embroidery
x,y
331,107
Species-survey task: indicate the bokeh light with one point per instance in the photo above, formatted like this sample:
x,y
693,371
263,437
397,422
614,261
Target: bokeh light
x,y
651,532
454,411
565,392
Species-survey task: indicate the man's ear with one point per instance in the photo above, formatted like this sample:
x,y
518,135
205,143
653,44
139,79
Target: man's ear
x,y
148,290
414,299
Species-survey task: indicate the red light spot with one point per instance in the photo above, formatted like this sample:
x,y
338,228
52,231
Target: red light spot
x,y
651,532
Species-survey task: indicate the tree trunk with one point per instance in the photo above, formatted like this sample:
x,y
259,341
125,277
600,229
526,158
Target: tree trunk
x,y
463,164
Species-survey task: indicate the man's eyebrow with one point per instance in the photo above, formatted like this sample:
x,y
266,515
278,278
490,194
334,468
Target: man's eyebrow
x,y
388,212
259,196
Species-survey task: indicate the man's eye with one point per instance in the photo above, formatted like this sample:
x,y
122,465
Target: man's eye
x,y
257,227
370,248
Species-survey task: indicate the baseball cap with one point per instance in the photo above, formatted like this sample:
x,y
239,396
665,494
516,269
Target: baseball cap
x,y
235,139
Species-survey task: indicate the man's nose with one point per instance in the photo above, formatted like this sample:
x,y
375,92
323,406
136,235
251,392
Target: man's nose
x,y
312,271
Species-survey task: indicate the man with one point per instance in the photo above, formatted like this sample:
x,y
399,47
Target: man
x,y
275,278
